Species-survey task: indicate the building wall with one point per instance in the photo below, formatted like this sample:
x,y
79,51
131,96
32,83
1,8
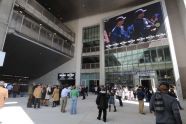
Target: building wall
x,y
68,67
174,9
5,12
74,65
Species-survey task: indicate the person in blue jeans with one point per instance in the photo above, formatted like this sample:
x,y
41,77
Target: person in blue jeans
x,y
74,95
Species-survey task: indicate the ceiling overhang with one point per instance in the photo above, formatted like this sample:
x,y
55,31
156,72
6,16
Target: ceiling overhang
x,y
67,10
26,58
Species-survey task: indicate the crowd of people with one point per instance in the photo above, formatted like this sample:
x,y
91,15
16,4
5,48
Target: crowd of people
x,y
16,89
163,102
40,94
165,105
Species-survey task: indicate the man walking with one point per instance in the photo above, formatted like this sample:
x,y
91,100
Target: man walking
x,y
102,104
64,97
141,96
111,100
165,107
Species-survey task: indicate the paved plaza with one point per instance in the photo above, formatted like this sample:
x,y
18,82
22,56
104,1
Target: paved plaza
x,y
16,112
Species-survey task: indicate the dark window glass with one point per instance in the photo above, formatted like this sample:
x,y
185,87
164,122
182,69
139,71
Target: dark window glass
x,y
147,56
167,54
153,55
91,38
160,55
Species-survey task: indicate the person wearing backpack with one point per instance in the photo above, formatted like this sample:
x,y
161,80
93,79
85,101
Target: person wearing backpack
x,y
164,106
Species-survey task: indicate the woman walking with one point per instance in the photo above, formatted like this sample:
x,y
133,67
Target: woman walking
x,y
74,95
55,96
111,100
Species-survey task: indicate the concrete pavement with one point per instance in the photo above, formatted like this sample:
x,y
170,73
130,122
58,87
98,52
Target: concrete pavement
x,y
16,112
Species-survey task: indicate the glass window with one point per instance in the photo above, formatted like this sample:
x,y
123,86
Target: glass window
x,y
91,33
160,55
167,54
91,38
130,59
122,64
153,56
147,56
163,73
135,51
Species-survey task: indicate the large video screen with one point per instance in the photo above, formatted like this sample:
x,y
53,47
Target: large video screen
x,y
144,24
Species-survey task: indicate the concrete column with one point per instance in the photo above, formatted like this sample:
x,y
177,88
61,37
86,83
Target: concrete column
x,y
6,6
182,11
78,54
182,67
177,45
102,57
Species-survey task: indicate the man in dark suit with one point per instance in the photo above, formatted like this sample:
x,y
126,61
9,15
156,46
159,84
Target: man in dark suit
x,y
102,104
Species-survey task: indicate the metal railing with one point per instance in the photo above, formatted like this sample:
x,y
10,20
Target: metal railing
x,y
32,29
91,49
90,66
47,14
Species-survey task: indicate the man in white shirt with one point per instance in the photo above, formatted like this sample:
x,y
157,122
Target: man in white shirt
x,y
64,96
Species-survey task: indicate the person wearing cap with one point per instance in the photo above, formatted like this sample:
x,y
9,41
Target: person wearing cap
x,y
164,106
3,94
119,33
142,25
